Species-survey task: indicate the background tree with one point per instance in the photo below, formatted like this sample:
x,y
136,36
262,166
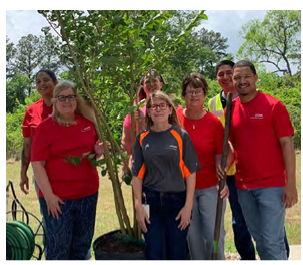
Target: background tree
x,y
51,52
28,57
200,51
15,92
275,40
10,54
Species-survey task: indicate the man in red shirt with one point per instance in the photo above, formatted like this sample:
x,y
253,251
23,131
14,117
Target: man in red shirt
x,y
261,133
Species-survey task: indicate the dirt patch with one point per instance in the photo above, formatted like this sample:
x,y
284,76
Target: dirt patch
x,y
111,244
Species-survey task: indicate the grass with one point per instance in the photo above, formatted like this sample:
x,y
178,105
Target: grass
x,y
106,220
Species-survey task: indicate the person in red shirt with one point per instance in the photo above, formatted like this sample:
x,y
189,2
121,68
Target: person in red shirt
x,y
68,193
144,93
35,113
206,132
139,115
261,133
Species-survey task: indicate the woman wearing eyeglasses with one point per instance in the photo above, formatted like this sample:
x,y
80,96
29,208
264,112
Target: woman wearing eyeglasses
x,y
148,84
68,193
164,168
206,133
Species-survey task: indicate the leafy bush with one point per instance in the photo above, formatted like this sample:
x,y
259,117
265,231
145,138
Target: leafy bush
x,y
13,127
288,90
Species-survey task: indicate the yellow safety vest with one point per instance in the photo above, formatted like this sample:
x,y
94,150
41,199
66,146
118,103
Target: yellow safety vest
x,y
215,106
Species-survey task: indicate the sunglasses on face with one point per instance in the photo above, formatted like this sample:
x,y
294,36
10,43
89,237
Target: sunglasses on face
x,y
162,106
69,97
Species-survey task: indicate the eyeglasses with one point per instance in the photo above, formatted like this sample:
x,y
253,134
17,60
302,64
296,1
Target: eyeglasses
x,y
194,92
69,97
162,106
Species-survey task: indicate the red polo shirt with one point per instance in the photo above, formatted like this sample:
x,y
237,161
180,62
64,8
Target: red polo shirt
x,y
53,143
255,129
207,138
35,113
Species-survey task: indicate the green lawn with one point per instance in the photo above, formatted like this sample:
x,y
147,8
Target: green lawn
x,y
106,218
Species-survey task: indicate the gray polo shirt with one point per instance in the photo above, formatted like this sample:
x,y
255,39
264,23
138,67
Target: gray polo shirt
x,y
164,159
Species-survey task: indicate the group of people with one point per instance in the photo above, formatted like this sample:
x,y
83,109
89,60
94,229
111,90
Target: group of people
x,y
175,165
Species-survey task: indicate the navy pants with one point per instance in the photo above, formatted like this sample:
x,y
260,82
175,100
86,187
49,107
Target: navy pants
x,y
70,237
242,237
164,240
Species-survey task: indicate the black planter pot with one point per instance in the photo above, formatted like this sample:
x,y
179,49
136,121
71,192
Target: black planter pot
x,y
103,255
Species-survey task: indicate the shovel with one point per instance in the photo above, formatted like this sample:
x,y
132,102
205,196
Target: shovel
x,y
222,181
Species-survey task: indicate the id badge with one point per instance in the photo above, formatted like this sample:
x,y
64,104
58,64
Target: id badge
x,y
146,209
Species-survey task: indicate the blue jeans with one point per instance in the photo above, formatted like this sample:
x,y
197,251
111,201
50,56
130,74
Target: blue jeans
x,y
164,240
201,232
242,237
70,237
265,215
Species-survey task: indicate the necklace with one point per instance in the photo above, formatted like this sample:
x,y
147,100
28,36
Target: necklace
x,y
194,124
66,123
69,123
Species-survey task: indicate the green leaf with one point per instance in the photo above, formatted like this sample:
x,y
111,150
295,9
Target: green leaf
x,y
77,160
85,154
101,162
93,162
127,177
90,157
103,172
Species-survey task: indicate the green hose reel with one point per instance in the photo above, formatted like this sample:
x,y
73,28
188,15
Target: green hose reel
x,y
20,241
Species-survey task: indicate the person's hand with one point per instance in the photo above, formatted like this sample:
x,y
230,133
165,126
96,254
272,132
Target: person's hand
x,y
99,148
290,195
140,117
184,215
142,217
224,192
24,183
53,205
220,172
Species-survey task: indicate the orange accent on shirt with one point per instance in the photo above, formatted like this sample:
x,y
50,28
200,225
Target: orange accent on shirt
x,y
183,168
142,136
141,172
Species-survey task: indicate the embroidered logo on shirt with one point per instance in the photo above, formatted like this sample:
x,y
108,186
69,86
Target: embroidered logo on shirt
x,y
147,145
173,147
256,116
86,129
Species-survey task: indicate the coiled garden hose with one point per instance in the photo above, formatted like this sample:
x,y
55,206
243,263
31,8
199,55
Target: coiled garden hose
x,y
20,241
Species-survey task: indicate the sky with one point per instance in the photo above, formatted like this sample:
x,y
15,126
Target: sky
x,y
20,23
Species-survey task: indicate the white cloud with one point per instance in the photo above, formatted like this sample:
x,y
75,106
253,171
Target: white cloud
x,y
20,23
229,24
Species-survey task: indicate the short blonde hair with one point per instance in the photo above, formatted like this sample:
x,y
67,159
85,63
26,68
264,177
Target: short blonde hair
x,y
173,118
82,107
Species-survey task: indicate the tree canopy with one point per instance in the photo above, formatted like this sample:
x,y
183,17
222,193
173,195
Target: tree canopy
x,y
275,40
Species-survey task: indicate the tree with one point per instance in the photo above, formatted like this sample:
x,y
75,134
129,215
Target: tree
x,y
29,54
200,51
275,40
110,50
15,92
51,52
10,55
